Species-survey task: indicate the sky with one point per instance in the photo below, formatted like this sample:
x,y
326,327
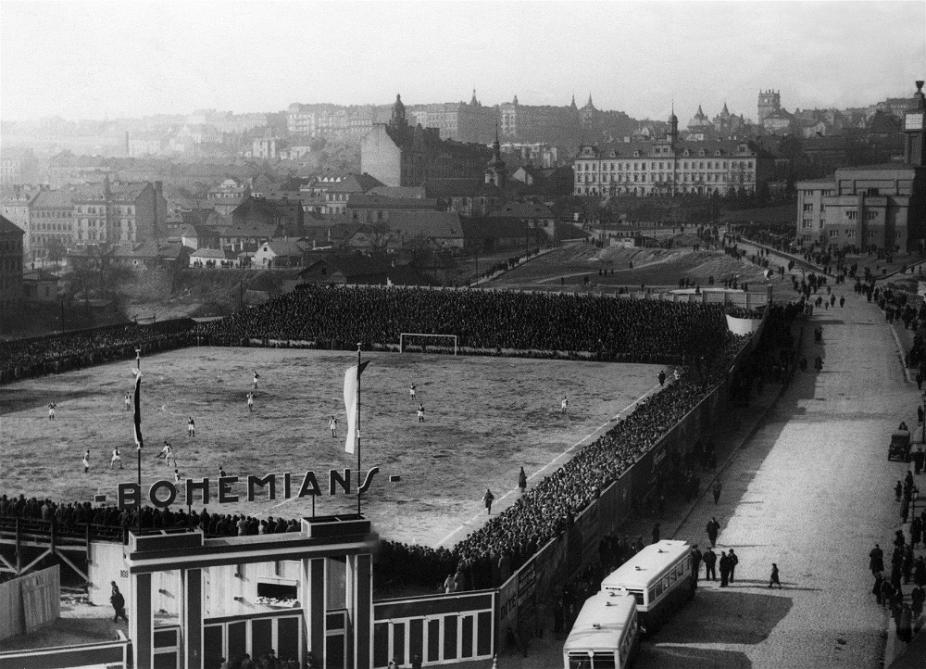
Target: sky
x,y
102,59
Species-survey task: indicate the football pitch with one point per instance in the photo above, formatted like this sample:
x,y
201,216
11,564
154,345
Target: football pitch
x,y
485,417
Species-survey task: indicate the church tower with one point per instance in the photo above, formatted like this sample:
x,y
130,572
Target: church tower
x,y
495,168
673,127
914,130
398,120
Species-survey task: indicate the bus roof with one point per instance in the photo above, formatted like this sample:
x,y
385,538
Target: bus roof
x,y
647,565
601,622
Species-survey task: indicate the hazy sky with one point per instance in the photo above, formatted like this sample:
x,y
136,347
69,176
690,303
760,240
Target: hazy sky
x,y
102,59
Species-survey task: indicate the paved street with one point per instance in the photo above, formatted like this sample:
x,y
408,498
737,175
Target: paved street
x,y
811,490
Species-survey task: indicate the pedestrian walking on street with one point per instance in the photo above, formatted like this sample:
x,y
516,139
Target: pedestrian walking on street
x,y
734,560
724,569
718,486
876,560
710,559
713,527
917,597
118,602
695,562
774,577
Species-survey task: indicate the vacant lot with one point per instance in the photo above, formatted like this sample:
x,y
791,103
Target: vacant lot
x,y
484,418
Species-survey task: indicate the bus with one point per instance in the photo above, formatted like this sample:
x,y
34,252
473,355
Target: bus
x,y
660,579
605,634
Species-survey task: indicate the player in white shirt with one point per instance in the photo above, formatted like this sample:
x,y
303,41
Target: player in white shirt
x,y
116,458
191,427
563,405
333,426
85,461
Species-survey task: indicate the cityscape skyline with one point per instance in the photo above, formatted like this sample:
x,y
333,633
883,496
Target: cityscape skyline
x,y
59,59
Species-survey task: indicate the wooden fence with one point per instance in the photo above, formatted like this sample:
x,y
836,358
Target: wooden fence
x,y
31,601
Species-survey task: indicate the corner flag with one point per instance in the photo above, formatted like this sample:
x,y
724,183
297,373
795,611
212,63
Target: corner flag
x,y
351,399
139,442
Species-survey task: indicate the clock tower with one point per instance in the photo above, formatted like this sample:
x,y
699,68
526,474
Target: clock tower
x,y
914,130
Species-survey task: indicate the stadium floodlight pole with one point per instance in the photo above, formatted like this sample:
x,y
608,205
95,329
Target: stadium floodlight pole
x,y
138,446
357,432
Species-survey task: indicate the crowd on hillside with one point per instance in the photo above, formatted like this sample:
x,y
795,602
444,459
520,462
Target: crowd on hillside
x,y
24,358
615,329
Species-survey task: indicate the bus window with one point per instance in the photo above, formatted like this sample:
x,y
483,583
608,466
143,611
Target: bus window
x,y
580,662
604,661
638,596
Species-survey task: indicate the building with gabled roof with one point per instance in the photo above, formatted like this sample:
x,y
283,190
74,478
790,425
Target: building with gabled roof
x,y
401,155
668,166
279,253
339,192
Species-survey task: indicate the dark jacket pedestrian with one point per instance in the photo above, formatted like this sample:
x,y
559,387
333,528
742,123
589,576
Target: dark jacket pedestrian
x,y
773,580
522,480
118,602
917,597
724,569
877,590
734,560
876,560
713,527
710,560
695,562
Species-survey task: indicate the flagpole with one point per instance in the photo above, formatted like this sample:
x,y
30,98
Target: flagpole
x,y
137,447
357,432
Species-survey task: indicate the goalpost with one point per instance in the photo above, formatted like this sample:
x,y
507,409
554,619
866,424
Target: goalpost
x,y
447,339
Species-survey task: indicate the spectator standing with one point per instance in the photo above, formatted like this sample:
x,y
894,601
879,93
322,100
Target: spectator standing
x,y
522,480
118,603
734,560
710,560
713,527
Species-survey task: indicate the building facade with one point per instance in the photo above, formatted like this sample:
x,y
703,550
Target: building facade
x,y
51,217
668,167
877,207
122,214
398,155
11,268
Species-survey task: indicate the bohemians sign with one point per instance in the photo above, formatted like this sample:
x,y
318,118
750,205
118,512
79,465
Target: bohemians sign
x,y
163,493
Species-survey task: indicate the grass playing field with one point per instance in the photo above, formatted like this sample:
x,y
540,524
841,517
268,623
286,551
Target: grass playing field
x,y
484,418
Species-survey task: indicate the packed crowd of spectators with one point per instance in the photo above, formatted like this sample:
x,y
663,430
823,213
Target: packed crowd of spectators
x,y
111,522
24,358
622,329
615,329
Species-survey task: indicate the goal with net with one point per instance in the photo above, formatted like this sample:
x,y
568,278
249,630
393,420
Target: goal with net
x,y
423,341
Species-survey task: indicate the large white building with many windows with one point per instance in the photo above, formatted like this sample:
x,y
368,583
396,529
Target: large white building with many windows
x,y
668,166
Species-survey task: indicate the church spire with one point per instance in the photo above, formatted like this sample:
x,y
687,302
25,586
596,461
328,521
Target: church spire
x,y
398,119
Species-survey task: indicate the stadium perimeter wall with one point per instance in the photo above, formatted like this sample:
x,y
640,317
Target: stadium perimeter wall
x,y
525,596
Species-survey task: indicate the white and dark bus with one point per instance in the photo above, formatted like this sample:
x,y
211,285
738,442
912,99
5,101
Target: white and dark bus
x,y
660,579
605,634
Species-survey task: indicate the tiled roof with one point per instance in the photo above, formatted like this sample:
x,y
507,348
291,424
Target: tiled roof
x,y
436,224
8,227
523,210
365,200
355,183
53,199
398,191
209,254
285,247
